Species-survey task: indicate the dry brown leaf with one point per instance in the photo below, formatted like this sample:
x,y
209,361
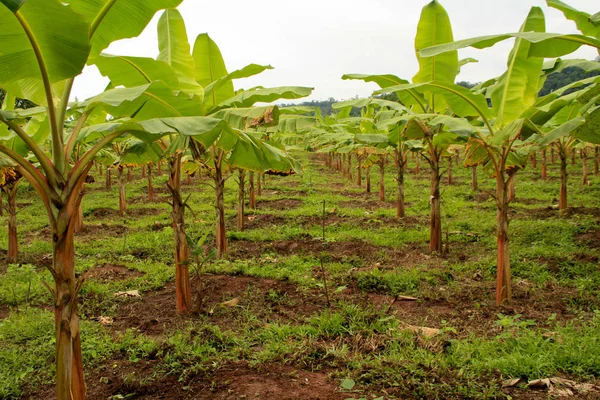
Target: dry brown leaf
x,y
511,382
231,303
539,384
561,392
406,298
131,293
422,330
106,321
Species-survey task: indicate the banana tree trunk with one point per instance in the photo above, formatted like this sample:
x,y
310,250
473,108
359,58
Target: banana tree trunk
x,y
435,223
552,156
573,156
358,170
450,180
108,184
511,190
401,162
457,157
349,167
150,188
562,204
221,237
534,160
597,160
503,280
13,242
252,192
259,184
143,172
344,165
474,177
544,166
382,180
159,169
183,288
368,179
70,381
1,204
78,217
122,197
129,174
241,199
188,180
417,165
584,174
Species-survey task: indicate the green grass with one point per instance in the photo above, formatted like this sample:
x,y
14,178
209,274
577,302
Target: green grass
x,y
351,340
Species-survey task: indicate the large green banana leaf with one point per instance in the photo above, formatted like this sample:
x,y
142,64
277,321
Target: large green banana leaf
x,y
407,98
210,67
134,71
113,20
517,89
174,50
461,100
434,28
250,97
153,100
57,31
246,72
543,44
582,19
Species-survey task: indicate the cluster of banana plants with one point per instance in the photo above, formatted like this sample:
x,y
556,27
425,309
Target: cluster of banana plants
x,y
502,120
181,104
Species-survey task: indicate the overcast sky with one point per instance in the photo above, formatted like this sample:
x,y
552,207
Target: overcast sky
x,y
314,42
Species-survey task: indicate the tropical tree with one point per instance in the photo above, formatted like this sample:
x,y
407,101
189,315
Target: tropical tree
x,y
434,28
39,60
498,143
10,176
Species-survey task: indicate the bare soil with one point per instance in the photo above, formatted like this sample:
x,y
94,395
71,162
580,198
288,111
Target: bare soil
x,y
109,272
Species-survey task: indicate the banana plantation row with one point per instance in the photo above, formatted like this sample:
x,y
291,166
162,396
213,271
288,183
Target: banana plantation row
x,y
181,109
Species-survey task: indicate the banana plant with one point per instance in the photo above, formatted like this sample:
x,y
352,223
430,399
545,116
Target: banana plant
x,y
39,60
499,142
424,101
132,152
205,90
10,177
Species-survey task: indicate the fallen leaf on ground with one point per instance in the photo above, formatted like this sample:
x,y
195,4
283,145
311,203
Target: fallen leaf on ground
x,y
539,384
231,303
422,330
131,293
511,382
106,321
406,298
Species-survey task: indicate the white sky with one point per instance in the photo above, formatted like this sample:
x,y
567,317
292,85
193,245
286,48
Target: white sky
x,y
314,42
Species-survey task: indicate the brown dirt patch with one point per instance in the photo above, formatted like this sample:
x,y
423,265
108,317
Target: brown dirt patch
x,y
552,212
529,201
257,221
144,199
590,239
281,204
131,212
368,204
109,272
95,231
354,251
4,311
154,313
229,381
